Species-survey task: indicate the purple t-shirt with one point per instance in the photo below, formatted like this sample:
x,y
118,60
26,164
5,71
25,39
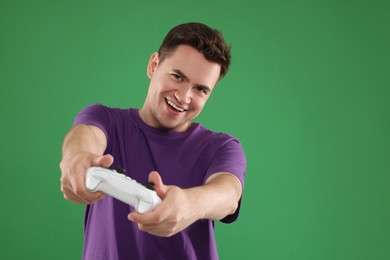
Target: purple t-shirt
x,y
184,159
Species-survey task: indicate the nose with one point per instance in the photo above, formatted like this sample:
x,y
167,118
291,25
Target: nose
x,y
183,96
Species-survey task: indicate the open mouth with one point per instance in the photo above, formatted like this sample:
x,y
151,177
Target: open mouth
x,y
174,106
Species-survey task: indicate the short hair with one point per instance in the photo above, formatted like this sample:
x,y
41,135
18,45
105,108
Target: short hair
x,y
206,40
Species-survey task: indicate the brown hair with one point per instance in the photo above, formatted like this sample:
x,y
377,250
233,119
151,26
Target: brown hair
x,y
206,40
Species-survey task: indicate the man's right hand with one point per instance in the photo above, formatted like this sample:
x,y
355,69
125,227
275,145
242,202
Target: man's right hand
x,y
73,176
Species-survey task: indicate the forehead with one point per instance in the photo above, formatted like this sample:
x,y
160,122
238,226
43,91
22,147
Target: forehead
x,y
193,64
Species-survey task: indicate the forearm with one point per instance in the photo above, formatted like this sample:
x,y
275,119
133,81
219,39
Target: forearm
x,y
83,138
218,198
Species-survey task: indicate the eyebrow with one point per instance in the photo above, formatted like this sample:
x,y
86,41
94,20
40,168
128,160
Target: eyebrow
x,y
187,79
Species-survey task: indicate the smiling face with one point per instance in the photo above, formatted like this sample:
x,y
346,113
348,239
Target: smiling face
x,y
179,88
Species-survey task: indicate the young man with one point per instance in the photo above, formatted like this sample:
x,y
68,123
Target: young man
x,y
199,174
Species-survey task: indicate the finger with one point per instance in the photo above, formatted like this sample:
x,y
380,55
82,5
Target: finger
x,y
70,195
154,230
79,200
146,218
77,190
160,230
67,190
87,199
155,217
159,187
73,198
104,161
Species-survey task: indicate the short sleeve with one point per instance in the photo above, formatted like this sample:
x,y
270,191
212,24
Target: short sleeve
x,y
96,115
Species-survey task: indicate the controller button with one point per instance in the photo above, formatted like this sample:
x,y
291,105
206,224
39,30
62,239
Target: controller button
x,y
121,170
150,186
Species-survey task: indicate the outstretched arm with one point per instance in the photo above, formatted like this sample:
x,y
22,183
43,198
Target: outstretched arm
x,y
180,208
83,147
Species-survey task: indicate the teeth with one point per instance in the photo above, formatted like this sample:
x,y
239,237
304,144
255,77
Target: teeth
x,y
174,106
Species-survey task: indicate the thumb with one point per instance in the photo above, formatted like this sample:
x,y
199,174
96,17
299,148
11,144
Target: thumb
x,y
105,160
159,187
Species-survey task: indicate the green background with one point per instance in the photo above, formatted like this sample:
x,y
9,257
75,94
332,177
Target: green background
x,y
307,94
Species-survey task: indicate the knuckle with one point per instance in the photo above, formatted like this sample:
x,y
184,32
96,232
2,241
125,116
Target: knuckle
x,y
158,219
62,165
79,190
64,181
141,227
66,197
62,188
170,232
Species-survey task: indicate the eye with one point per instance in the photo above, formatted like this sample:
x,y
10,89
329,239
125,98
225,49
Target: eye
x,y
202,90
177,77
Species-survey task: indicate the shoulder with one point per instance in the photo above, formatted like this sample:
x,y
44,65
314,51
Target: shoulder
x,y
101,107
212,137
102,116
212,143
104,112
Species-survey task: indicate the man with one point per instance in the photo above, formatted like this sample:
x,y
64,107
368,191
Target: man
x,y
199,174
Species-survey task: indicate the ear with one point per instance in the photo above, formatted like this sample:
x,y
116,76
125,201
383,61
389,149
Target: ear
x,y
152,64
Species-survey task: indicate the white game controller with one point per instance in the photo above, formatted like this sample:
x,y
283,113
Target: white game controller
x,y
122,187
